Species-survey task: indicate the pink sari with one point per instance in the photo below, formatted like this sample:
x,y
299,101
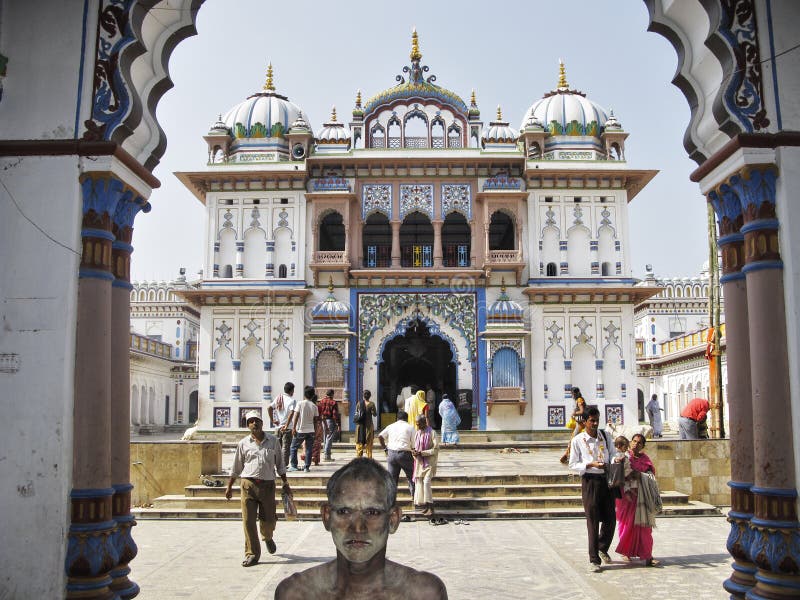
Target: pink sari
x,y
634,540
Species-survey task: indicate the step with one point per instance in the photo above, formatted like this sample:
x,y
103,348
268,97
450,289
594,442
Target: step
x,y
691,508
316,478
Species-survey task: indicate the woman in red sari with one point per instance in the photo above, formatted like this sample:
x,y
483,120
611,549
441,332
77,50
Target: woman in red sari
x,y
635,541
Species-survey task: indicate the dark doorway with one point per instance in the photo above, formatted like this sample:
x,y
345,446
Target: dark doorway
x,y
416,358
640,398
193,407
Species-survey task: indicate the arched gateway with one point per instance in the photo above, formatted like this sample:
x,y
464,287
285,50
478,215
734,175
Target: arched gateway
x,y
80,146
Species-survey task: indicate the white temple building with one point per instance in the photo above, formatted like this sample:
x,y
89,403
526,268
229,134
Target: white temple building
x,y
418,245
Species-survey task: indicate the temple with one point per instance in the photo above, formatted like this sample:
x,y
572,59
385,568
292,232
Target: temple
x,y
418,245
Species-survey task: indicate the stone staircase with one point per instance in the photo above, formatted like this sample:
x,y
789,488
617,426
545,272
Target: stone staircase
x,y
489,496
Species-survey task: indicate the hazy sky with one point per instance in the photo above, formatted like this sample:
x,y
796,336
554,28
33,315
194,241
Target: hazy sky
x,y
507,50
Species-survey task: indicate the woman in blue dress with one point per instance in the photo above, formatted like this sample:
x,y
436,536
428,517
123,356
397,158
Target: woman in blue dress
x,y
450,421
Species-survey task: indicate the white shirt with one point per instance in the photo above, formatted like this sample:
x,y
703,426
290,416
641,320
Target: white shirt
x,y
399,436
289,404
585,449
306,411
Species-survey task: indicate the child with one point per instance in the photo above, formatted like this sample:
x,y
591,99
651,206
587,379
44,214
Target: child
x,y
620,473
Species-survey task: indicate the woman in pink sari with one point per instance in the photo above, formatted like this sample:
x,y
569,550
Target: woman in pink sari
x,y
635,541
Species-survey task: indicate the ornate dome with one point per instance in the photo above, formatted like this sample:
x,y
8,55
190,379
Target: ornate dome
x,y
330,311
566,112
259,123
299,125
219,128
333,132
499,132
417,86
504,311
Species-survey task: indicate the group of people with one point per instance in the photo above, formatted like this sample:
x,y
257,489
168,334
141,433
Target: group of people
x,y
632,501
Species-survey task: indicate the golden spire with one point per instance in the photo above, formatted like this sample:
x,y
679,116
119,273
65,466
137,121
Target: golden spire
x,y
330,284
333,115
358,99
269,86
415,53
562,75
502,285
472,97
499,113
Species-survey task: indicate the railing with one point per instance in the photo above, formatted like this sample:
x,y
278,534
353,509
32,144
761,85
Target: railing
x,y
378,257
416,256
150,346
330,257
416,142
504,256
456,255
379,142
394,142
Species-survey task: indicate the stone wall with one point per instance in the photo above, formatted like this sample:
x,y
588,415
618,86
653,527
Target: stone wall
x,y
699,468
159,468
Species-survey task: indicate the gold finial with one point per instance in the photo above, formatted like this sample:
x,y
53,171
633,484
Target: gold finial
x,y
358,99
415,53
333,115
472,99
269,86
502,285
499,113
562,75
330,284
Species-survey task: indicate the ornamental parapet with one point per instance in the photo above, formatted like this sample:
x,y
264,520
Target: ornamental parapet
x,y
147,345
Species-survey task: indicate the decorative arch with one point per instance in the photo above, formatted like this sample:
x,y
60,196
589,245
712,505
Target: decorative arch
x,y
402,327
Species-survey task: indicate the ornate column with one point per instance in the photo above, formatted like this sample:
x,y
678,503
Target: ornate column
x,y
267,391
740,407
215,272
239,259
599,391
270,270
121,249
395,244
774,527
593,250
91,551
437,243
235,389
562,249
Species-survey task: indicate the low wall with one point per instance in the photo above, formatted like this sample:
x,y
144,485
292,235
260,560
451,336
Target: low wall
x,y
159,468
699,468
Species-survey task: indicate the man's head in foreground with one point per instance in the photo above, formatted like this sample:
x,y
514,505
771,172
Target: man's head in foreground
x,y
361,512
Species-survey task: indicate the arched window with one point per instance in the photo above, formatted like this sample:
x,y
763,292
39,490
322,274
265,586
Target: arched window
x,y
552,269
377,236
416,241
282,272
160,297
534,151
454,136
393,133
456,236
501,232
331,233
377,137
416,130
437,133
505,368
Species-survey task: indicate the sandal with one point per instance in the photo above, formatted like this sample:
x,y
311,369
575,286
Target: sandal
x,y
249,561
564,459
652,562
405,519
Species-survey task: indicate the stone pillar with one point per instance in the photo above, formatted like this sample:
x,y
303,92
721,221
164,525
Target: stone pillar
x,y
239,268
91,551
395,244
599,392
562,250
593,251
774,544
437,243
267,395
740,407
270,270
215,272
235,389
121,250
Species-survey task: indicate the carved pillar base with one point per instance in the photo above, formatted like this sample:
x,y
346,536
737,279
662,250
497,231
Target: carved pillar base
x,y
775,545
123,542
91,552
743,578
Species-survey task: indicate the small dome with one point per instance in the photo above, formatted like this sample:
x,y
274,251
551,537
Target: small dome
x,y
333,132
330,311
499,132
219,128
504,311
300,125
566,112
532,123
612,124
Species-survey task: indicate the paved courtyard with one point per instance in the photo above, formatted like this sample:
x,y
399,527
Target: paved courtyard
x,y
484,559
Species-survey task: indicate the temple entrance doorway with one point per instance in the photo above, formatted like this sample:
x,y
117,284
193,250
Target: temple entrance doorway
x,y
415,358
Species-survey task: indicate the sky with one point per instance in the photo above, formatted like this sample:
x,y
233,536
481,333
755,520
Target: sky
x,y
507,50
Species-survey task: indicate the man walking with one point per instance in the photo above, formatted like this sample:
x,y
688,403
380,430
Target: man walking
x,y
255,463
329,413
280,411
589,456
302,424
397,441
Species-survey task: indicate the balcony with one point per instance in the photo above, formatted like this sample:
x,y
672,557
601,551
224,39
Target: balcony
x,y
504,260
329,260
150,346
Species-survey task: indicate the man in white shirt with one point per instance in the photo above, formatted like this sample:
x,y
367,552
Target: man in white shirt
x,y
280,411
302,423
590,453
255,463
397,441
